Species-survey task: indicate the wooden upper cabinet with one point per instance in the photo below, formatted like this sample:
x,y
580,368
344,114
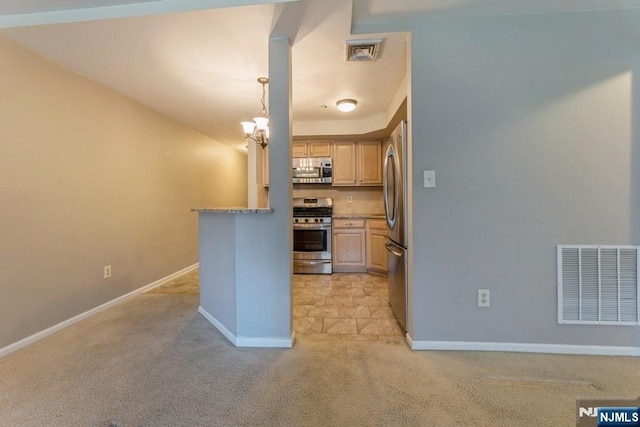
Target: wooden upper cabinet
x,y
311,149
319,148
300,149
344,163
357,163
370,163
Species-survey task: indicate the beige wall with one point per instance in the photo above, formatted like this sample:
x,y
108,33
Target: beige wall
x,y
89,178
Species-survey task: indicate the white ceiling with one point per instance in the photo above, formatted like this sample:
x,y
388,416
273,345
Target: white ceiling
x,y
200,66
12,7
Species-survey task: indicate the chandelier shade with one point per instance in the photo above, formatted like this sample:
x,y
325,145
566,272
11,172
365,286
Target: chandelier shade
x,y
248,127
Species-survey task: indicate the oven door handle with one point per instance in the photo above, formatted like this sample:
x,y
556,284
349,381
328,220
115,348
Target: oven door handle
x,y
311,262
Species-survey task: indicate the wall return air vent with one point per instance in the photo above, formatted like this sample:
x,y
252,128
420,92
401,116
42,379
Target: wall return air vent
x,y
598,285
363,50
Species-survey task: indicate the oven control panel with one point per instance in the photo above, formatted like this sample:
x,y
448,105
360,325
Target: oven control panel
x,y
312,220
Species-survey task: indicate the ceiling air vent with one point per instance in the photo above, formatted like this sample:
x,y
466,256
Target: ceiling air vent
x,y
363,50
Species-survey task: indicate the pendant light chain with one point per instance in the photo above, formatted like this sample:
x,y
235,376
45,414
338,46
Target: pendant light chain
x,y
264,107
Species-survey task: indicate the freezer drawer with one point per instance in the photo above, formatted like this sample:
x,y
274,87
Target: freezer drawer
x,y
397,257
312,266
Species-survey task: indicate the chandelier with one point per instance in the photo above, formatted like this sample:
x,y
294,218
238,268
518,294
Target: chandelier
x,y
258,129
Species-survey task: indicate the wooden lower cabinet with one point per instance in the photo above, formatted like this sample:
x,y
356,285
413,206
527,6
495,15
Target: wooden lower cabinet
x,y
359,245
349,245
376,246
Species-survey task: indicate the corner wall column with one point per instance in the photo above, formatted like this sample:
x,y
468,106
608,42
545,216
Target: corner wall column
x,y
246,265
280,187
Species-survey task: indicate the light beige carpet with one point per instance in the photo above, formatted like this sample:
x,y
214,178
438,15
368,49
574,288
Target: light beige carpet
x,y
186,284
154,361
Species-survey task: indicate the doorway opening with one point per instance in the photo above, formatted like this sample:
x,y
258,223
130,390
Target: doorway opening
x,y
351,306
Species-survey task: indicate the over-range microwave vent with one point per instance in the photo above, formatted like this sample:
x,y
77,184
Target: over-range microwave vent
x,y
363,50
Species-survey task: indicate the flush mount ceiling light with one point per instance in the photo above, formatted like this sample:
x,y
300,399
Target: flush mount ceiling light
x,y
347,105
258,129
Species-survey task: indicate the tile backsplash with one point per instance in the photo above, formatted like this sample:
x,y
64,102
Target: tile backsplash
x,y
366,200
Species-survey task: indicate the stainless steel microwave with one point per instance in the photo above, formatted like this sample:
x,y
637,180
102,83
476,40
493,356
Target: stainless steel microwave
x,y
312,170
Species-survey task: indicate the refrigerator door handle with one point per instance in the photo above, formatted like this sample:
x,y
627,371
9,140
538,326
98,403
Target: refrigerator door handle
x,y
389,209
391,249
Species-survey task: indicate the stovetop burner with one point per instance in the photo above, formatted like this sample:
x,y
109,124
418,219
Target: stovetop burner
x,y
314,208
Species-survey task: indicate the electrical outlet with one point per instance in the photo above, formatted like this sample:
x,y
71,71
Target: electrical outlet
x,y
484,298
349,199
107,271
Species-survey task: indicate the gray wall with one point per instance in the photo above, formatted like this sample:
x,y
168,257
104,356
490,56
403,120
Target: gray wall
x,y
89,178
263,279
529,123
218,256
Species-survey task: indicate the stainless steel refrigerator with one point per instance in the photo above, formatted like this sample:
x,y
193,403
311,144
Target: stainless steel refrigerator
x,y
395,198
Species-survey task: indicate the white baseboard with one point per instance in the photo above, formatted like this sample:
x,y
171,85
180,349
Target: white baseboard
x,y
264,342
596,350
268,342
219,326
55,328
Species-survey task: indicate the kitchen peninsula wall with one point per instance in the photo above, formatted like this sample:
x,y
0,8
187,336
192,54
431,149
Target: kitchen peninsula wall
x,y
365,200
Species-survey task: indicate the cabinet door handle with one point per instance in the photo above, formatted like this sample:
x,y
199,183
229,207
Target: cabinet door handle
x,y
349,223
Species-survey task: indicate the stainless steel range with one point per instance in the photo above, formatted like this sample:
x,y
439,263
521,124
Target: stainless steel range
x,y
312,235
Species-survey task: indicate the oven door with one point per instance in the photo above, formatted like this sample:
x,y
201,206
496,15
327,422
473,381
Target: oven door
x,y
312,241
312,248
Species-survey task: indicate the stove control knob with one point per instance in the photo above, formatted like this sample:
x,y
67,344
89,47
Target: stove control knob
x,y
295,220
321,219
316,219
306,220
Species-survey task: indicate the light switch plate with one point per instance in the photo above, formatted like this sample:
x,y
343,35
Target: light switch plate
x,y
429,179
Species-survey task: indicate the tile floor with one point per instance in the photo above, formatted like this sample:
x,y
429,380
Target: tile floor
x,y
343,306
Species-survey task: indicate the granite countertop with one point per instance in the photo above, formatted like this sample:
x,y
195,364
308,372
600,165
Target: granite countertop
x,y
270,210
233,210
359,215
